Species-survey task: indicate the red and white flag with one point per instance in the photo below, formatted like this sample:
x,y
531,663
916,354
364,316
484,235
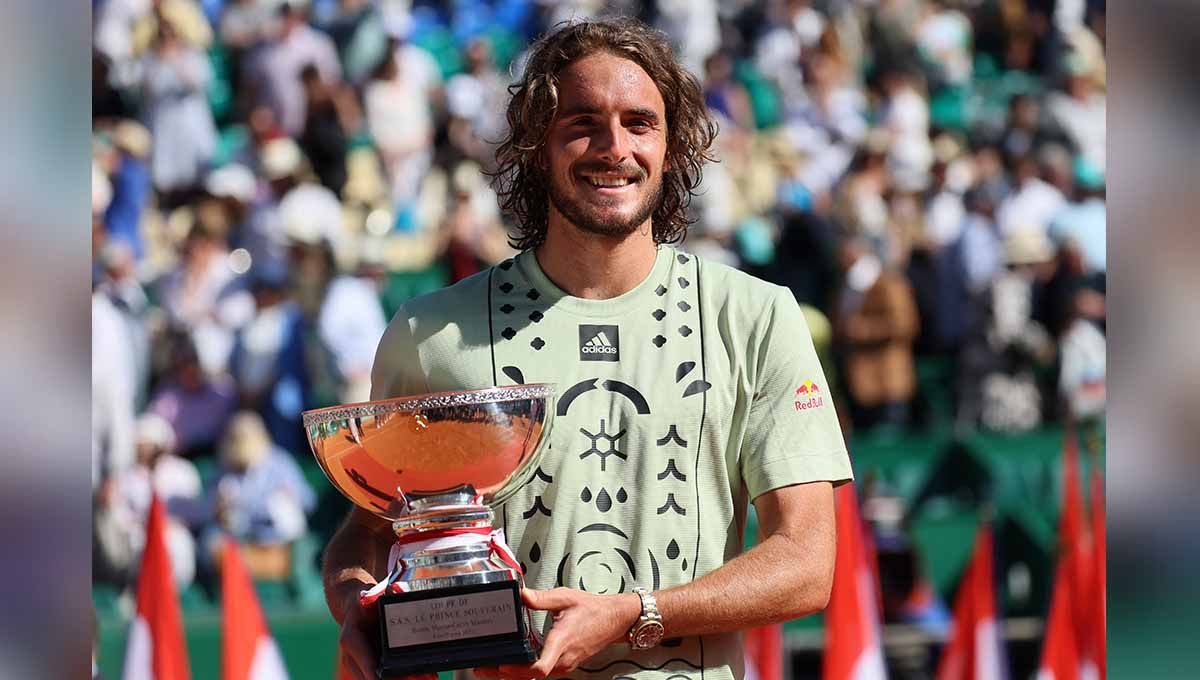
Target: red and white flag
x,y
1065,653
1099,619
1060,649
853,648
248,652
974,651
156,648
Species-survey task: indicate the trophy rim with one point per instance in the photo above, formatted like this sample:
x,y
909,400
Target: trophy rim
x,y
444,399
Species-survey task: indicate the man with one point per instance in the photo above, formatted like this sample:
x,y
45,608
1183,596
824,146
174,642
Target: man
x,y
685,389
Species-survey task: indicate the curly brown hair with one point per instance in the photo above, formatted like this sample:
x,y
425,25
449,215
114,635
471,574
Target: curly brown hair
x,y
520,178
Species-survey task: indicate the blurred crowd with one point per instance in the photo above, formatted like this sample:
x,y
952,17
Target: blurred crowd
x,y
271,179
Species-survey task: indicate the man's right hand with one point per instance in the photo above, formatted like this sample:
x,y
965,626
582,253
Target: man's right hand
x,y
359,655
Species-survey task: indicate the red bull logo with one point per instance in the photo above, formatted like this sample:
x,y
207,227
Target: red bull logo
x,y
808,396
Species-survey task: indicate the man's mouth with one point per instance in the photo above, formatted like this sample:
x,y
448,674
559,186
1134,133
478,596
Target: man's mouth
x,y
607,181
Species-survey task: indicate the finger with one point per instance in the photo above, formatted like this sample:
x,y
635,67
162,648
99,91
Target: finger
x,y
548,600
548,659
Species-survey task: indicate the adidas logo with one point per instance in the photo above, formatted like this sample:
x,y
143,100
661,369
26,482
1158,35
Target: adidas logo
x,y
599,343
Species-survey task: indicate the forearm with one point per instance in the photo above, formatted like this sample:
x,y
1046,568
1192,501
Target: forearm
x,y
776,581
355,559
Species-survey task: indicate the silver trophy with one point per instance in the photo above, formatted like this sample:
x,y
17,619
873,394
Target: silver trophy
x,y
434,465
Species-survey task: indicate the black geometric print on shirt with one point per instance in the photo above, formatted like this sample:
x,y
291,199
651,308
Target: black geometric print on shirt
x,y
683,283
506,287
538,506
661,290
604,568
658,314
602,526
685,331
653,569
508,333
629,392
670,504
514,374
696,387
533,294
672,435
537,344
507,308
536,316
659,341
671,471
507,264
683,369
583,386
541,474
683,306
673,553
604,502
682,259
610,445
535,553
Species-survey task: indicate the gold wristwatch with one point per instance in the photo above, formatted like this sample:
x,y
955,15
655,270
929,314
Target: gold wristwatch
x,y
648,630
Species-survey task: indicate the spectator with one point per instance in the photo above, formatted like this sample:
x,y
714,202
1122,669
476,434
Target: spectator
x,y
330,114
269,361
400,121
123,506
132,143
197,406
260,499
274,68
876,324
174,78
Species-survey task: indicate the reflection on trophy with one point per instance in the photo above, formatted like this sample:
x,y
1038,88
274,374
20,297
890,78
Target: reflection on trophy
x,y
433,464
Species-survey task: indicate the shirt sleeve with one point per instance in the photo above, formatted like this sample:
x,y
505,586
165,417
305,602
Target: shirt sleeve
x,y
397,369
792,431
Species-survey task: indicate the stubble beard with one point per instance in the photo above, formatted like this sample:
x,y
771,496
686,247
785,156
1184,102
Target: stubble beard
x,y
588,218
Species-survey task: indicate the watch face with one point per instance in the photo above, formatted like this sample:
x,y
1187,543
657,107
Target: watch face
x,y
648,635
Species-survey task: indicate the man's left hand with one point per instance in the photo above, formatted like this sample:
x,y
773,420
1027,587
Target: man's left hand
x,y
584,624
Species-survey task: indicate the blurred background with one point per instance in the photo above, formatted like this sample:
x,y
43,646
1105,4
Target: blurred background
x,y
271,179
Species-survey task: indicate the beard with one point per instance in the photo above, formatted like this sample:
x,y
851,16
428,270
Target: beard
x,y
592,218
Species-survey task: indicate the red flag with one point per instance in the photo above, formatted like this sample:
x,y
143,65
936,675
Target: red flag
x,y
1099,619
156,649
764,653
853,650
974,651
248,652
1060,650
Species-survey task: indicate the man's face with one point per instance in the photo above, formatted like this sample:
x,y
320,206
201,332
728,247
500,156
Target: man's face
x,y
607,145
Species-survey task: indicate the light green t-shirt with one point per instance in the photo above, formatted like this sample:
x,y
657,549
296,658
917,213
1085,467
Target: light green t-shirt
x,y
678,403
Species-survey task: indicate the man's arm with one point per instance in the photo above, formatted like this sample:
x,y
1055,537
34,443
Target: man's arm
x,y
355,559
786,576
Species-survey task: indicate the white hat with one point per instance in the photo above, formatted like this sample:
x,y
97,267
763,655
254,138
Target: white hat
x,y
311,213
232,181
156,430
280,158
1028,245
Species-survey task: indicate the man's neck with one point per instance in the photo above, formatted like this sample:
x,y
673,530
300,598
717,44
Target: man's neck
x,y
596,267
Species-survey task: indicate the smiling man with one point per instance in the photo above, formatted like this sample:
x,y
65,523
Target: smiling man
x,y
676,380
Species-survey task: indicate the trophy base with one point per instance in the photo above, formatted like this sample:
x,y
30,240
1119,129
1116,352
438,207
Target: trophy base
x,y
443,629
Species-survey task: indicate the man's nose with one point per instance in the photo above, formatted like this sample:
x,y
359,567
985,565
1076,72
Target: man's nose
x,y
612,142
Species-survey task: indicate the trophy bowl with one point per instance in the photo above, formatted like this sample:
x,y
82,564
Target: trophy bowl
x,y
435,465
